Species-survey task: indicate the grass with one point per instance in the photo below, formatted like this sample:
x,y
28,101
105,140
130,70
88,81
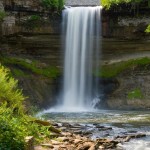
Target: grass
x,y
112,70
49,71
135,94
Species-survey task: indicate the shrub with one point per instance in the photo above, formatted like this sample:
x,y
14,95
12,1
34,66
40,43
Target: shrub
x,y
9,92
15,125
14,129
53,4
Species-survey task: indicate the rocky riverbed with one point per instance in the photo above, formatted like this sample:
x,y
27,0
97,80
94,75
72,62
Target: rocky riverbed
x,y
79,137
113,130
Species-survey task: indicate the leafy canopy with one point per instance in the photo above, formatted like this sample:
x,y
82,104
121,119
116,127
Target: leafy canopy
x,y
53,4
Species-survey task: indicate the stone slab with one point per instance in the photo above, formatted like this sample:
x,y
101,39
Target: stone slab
x,y
82,2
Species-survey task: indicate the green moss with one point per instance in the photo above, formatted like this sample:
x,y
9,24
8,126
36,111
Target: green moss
x,y
115,69
53,4
2,15
135,94
18,73
49,71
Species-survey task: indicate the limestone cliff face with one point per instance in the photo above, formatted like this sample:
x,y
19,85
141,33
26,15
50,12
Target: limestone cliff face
x,y
128,82
119,22
20,12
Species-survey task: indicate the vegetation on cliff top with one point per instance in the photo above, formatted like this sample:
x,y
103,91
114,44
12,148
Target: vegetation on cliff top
x,y
53,4
109,3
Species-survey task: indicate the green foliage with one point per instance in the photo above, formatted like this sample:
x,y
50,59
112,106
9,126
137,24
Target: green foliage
x,y
148,29
15,125
14,129
49,71
9,92
2,15
114,69
109,3
53,4
135,94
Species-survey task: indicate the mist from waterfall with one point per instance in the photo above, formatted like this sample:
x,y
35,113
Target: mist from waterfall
x,y
81,28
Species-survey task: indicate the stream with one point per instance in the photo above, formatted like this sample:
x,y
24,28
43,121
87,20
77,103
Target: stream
x,y
118,123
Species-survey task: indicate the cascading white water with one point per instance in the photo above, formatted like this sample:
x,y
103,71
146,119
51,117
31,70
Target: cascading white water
x,y
81,26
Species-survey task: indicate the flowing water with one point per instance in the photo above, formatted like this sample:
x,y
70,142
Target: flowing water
x,y
81,26
122,123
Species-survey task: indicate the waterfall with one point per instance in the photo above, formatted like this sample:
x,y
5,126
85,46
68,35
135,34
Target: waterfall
x,y
81,26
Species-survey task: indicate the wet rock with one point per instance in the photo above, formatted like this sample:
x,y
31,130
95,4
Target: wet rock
x,y
92,147
51,128
102,128
75,128
54,135
29,140
77,132
85,146
67,125
77,141
55,142
63,139
63,128
47,145
39,148
44,123
105,129
98,126
101,147
66,134
85,133
127,138
77,124
133,131
107,144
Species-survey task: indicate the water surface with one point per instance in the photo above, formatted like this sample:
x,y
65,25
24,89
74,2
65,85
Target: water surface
x,y
122,123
